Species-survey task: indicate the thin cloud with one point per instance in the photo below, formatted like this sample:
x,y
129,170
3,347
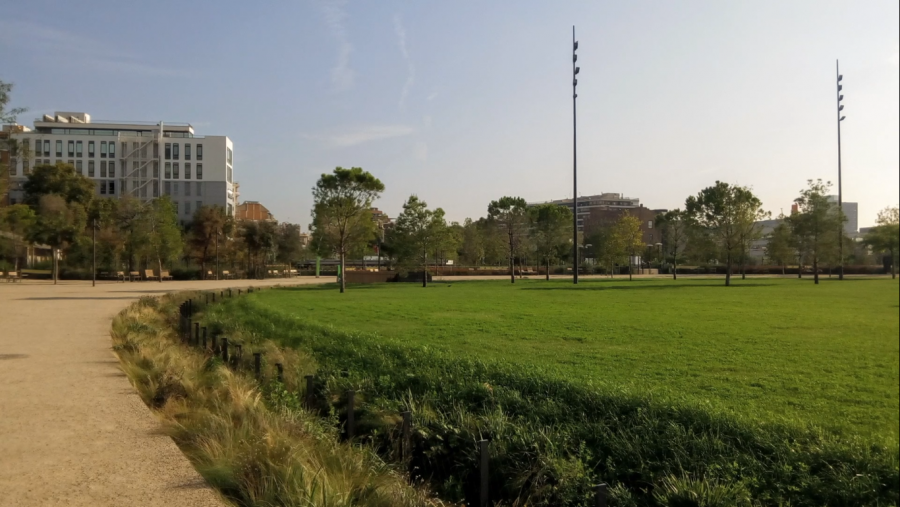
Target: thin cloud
x,y
76,50
432,96
410,68
359,135
342,76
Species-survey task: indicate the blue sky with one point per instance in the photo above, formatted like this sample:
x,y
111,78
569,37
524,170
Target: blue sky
x,y
463,102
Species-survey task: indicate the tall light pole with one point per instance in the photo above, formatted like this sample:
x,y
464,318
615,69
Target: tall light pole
x,y
574,162
840,190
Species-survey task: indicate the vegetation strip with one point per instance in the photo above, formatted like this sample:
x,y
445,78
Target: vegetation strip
x,y
552,440
252,441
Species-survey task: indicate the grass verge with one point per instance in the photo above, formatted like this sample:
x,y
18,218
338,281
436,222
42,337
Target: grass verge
x,y
252,442
552,438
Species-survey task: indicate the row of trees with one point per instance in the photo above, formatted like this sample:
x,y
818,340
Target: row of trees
x,y
60,211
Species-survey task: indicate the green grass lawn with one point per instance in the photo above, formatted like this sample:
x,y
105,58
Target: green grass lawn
x,y
773,349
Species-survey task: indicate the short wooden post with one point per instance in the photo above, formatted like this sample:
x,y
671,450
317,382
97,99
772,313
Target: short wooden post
x,y
279,372
257,364
229,292
351,419
405,450
196,333
600,495
214,297
239,292
309,391
204,337
207,297
485,493
215,347
238,356
225,350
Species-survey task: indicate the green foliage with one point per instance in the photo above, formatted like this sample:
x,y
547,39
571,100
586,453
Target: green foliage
x,y
627,236
8,115
342,220
417,233
60,179
59,224
727,213
780,246
288,247
671,409
209,226
511,214
550,229
818,227
885,237
259,238
674,225
160,234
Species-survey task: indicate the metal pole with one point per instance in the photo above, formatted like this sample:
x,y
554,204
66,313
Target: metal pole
x,y
574,166
840,193
94,253
217,253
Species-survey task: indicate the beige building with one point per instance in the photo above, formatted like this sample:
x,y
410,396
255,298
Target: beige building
x,y
253,211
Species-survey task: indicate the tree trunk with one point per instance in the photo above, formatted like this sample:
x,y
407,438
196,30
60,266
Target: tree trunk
x,y
55,253
159,263
342,274
893,264
629,270
424,270
816,269
548,269
728,270
674,269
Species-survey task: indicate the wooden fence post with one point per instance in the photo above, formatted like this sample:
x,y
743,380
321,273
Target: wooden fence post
x,y
257,364
600,495
225,350
485,492
309,391
351,419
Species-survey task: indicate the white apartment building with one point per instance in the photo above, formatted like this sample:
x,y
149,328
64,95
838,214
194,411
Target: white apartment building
x,y
141,159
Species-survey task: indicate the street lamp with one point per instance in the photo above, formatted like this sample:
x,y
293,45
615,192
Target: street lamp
x,y
574,162
840,118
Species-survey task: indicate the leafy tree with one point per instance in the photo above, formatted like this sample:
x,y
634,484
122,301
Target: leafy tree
x,y
206,229
605,245
510,213
818,224
724,211
748,228
341,213
259,240
628,237
780,248
60,179
58,225
549,231
885,237
417,232
8,115
17,220
674,226
288,246
159,232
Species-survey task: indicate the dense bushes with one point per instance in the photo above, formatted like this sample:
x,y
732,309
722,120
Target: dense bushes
x,y
552,439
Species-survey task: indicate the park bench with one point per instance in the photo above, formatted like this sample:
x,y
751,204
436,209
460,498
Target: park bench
x,y
13,276
134,275
148,275
210,275
227,275
120,275
164,275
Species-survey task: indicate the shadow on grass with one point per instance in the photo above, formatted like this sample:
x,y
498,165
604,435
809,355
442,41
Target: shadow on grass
x,y
74,297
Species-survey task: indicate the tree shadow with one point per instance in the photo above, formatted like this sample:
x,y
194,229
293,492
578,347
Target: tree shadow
x,y
652,287
59,298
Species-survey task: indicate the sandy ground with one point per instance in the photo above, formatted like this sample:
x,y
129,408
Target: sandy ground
x,y
73,430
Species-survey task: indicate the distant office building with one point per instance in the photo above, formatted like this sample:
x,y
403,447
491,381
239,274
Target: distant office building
x,y
144,160
851,211
608,201
598,217
253,211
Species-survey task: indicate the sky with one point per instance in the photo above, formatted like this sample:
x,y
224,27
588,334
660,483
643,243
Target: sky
x,y
464,102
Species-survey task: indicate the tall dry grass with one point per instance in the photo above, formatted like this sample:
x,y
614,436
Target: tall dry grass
x,y
256,447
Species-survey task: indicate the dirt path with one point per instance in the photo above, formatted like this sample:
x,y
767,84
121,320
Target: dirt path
x,y
73,431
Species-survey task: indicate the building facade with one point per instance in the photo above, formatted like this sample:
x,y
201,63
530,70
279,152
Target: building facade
x,y
253,211
608,201
138,159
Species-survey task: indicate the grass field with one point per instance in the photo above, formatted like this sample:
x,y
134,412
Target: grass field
x,y
771,349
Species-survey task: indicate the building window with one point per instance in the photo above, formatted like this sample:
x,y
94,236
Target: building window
x,y
91,149
199,152
71,163
175,151
155,169
228,173
176,203
102,168
58,149
168,173
199,171
155,188
134,147
228,156
175,170
187,208
112,149
167,188
168,151
650,224
112,188
25,168
187,189
71,148
124,187
91,168
102,149
155,150
198,187
13,168
199,204
187,151
174,188
78,167
144,151
143,189
46,150
78,149
103,187
112,169
187,171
